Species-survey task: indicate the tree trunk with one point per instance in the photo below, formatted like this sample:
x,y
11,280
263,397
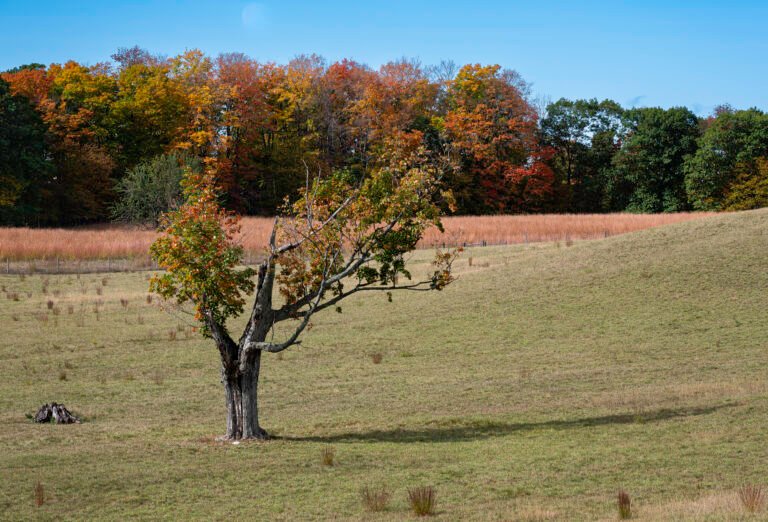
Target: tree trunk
x,y
240,391
249,384
234,409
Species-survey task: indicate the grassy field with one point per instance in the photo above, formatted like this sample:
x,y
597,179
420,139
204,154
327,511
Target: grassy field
x,y
545,379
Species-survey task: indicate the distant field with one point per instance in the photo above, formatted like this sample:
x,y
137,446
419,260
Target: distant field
x,y
119,242
545,379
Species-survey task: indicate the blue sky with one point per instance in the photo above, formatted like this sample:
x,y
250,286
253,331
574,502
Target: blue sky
x,y
697,53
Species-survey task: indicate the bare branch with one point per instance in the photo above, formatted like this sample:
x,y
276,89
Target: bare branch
x,y
296,244
421,286
293,339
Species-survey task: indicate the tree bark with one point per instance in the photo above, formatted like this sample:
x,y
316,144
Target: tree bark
x,y
249,385
241,395
233,396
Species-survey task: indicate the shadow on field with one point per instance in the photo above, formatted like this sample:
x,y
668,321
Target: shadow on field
x,y
456,430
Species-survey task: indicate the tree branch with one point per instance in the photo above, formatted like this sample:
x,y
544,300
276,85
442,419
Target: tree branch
x,y
296,244
227,347
421,286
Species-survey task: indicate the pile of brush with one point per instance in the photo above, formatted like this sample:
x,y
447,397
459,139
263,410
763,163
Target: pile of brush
x,y
56,413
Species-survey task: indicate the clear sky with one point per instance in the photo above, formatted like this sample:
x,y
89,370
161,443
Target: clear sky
x,y
697,53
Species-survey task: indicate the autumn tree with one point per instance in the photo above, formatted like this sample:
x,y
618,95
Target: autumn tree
x,y
77,114
25,171
345,130
149,111
269,131
493,130
194,74
341,236
749,188
74,103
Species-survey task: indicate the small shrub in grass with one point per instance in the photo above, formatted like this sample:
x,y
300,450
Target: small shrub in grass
x,y
752,497
15,317
99,290
39,494
375,499
56,310
104,281
149,299
124,302
376,357
624,504
327,455
62,375
13,296
70,309
422,500
171,335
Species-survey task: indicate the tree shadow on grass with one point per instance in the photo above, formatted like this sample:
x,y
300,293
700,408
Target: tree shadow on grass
x,y
456,430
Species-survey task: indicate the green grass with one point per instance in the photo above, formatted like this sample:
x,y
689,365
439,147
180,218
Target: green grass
x,y
539,384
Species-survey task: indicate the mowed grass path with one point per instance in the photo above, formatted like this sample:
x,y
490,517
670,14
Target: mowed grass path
x,y
545,379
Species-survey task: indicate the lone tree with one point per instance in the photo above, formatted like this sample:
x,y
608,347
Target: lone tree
x,y
343,235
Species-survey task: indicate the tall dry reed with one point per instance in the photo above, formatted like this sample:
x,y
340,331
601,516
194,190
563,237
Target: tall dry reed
x,y
117,241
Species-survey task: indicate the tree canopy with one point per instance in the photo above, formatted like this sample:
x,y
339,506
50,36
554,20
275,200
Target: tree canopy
x,y
259,125
25,170
344,234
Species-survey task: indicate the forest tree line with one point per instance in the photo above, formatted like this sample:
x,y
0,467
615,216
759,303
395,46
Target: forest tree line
x,y
82,144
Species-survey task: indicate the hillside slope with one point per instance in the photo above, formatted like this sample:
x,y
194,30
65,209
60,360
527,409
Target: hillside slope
x,y
543,380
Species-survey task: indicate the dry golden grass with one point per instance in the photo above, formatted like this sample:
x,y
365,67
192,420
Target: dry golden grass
x,y
721,505
104,242
81,243
503,230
